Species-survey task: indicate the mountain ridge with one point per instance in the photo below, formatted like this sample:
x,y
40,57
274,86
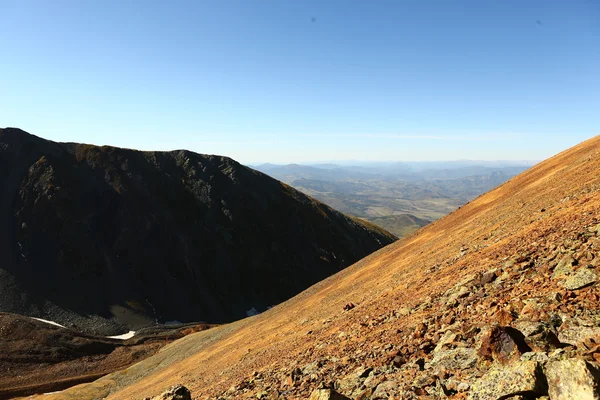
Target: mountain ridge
x,y
418,305
151,237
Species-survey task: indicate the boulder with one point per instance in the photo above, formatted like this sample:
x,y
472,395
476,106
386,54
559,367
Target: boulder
x,y
503,344
575,331
386,390
177,392
501,382
564,266
445,340
582,278
573,379
538,336
455,359
327,394
354,380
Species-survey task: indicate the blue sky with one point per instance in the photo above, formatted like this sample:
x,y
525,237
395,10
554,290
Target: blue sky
x,y
302,80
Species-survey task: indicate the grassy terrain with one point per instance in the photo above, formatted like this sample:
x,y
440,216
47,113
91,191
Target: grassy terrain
x,y
399,201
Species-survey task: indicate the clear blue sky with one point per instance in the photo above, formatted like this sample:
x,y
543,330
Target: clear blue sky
x,y
298,80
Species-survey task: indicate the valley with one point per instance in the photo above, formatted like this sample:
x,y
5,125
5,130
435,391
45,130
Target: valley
x,y
399,197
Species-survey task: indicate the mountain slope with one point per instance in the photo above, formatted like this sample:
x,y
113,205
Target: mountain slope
x,y
424,306
107,239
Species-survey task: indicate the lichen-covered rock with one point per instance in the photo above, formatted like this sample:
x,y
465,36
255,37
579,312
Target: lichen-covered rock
x,y
582,278
573,380
177,392
538,336
501,382
386,390
353,381
575,331
455,359
327,394
564,266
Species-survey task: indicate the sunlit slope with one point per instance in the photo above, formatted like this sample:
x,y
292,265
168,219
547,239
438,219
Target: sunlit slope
x,y
528,216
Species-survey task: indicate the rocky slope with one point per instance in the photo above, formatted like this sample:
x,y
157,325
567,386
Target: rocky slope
x,y
106,239
498,300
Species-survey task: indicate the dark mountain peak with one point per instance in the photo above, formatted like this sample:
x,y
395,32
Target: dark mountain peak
x,y
90,233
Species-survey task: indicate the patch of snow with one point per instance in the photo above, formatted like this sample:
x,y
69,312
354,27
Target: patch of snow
x,y
52,392
251,312
49,322
124,336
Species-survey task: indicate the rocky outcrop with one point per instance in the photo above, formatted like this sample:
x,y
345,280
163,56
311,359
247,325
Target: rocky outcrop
x,y
327,394
505,381
106,239
573,379
177,392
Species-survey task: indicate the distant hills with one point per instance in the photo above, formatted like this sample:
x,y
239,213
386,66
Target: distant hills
x,y
402,196
105,239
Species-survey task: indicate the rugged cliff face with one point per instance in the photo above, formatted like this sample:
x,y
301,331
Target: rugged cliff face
x,y
99,236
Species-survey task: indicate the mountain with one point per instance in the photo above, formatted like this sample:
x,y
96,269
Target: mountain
x,y
384,192
497,300
105,239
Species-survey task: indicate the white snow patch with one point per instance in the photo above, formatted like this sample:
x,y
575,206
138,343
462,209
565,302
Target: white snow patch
x,y
49,322
124,336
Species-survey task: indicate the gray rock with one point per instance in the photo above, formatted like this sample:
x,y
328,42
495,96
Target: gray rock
x,y
564,266
327,394
573,380
386,390
455,359
582,278
538,336
540,357
446,339
353,381
577,331
177,392
501,382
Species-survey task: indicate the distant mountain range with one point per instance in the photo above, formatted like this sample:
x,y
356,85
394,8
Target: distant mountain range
x,y
400,197
105,239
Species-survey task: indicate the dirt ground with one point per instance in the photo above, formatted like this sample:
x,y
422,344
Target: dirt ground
x,y
37,357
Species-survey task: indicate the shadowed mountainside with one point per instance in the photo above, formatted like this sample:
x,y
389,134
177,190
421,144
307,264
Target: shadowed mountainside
x,y
497,300
105,239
